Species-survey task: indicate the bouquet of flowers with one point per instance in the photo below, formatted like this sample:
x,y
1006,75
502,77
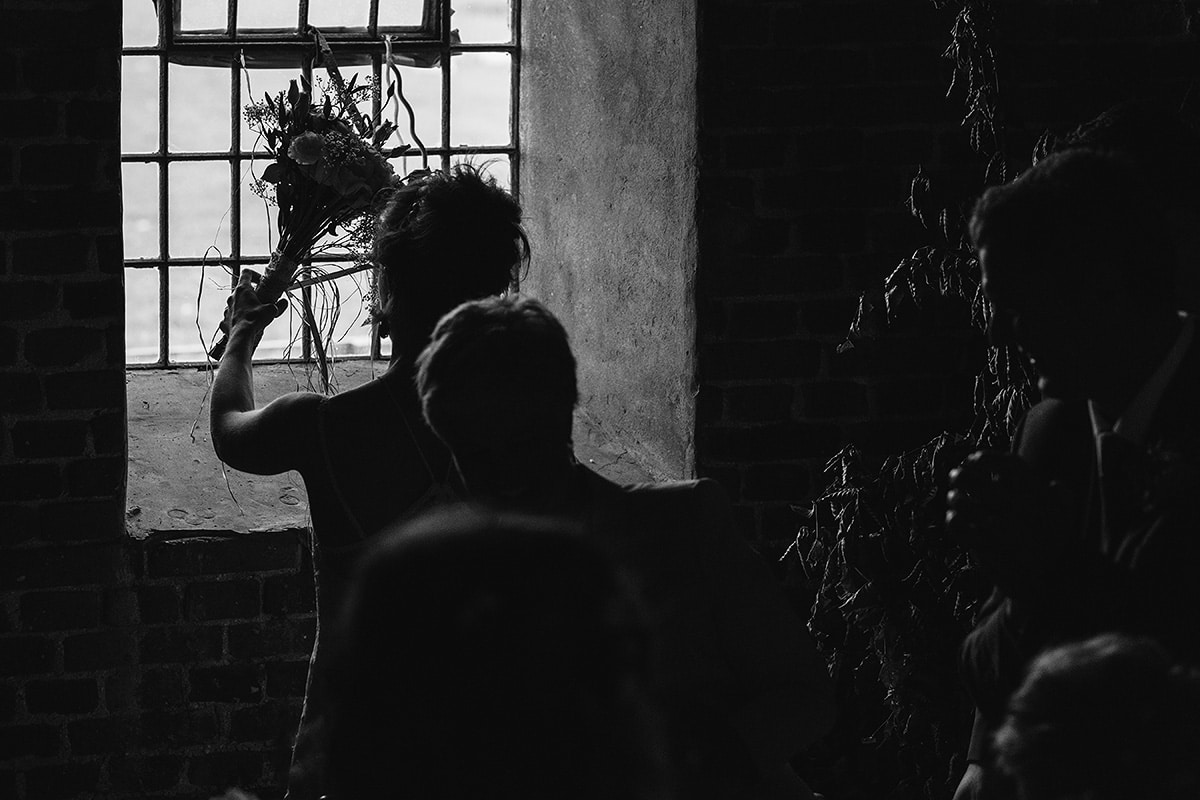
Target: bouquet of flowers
x,y
330,166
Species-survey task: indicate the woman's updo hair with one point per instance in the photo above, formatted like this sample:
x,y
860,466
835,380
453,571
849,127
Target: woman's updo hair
x,y
451,237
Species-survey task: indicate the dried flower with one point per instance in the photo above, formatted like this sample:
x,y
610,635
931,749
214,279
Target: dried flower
x,y
306,148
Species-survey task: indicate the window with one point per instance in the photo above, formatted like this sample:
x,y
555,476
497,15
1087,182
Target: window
x,y
191,223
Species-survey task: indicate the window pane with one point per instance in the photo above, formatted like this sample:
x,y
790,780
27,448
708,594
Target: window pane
x,y
401,13
263,82
259,233
268,14
139,23
202,15
495,166
199,209
139,104
482,21
479,98
423,90
141,316
198,109
340,13
139,198
194,310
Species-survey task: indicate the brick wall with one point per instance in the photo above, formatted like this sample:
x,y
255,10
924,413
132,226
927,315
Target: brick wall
x,y
814,116
127,668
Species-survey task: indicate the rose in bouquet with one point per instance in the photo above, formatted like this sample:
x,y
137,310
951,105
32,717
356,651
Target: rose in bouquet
x,y
330,166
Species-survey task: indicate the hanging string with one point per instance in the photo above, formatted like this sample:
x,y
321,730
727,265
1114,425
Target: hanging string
x,y
398,83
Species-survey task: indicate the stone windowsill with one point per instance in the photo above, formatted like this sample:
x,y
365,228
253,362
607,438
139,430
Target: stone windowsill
x,y
176,485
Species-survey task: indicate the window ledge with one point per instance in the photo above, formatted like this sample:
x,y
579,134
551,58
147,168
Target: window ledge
x,y
176,485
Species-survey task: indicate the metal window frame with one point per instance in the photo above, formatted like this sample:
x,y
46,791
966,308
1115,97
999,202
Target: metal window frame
x,y
265,48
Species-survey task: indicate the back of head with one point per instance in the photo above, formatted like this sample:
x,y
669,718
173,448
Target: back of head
x,y
1158,137
450,237
1111,717
1079,218
501,361
485,655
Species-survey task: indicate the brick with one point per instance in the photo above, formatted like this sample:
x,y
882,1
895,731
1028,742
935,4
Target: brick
x,y
178,729
756,276
59,611
923,65
158,604
289,594
759,360
161,688
97,477
251,553
32,117
754,150
97,120
51,255
727,191
834,399
20,392
42,741
272,639
786,482
8,704
762,319
36,439
730,478
110,254
20,524
62,696
780,523
87,520
287,679
274,722
62,781
87,70
829,147
26,655
96,651
10,345
181,645
140,774
908,397
44,210
62,566
832,232
94,299
6,166
767,403
222,770
222,600
829,316
108,433
789,442
63,347
899,147
742,235
58,164
226,684
710,404
27,299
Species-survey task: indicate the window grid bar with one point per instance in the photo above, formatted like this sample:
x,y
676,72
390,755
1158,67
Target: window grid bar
x,y
444,63
166,23
302,17
235,166
231,10
373,20
151,158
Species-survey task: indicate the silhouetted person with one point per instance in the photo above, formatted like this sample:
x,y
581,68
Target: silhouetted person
x,y
365,455
491,656
1089,525
742,686
1111,718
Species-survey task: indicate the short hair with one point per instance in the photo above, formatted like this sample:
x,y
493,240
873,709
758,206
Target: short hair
x,y
1113,715
450,237
1158,137
490,655
510,349
1074,213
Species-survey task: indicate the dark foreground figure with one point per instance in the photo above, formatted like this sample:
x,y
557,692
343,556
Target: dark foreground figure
x,y
739,681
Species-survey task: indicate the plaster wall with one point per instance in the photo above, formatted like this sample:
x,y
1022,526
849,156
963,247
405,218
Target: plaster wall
x,y
608,183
